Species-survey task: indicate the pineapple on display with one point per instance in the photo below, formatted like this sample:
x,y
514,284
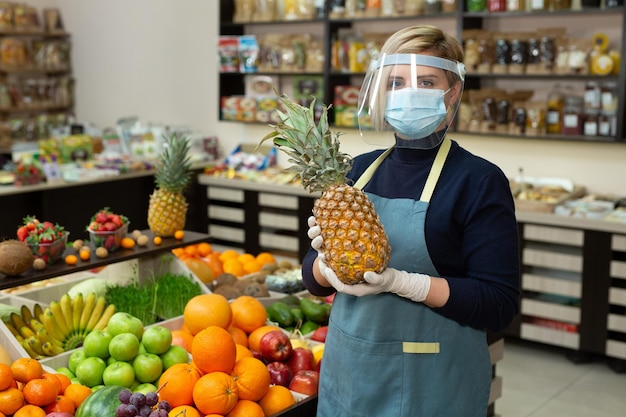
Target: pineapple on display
x,y
354,238
167,211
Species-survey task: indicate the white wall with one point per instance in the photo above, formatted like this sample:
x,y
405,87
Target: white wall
x,y
157,59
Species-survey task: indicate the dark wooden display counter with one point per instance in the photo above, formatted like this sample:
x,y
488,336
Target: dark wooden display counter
x,y
61,268
71,204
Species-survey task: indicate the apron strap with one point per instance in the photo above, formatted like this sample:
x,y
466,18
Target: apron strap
x,y
367,175
435,171
433,176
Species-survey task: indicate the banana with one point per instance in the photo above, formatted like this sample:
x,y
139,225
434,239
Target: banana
x,y
26,332
51,327
26,314
16,320
96,314
50,349
66,307
35,325
104,319
29,349
89,302
14,331
77,309
59,318
35,345
38,311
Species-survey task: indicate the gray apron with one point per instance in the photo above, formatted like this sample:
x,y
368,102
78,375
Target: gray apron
x,y
389,356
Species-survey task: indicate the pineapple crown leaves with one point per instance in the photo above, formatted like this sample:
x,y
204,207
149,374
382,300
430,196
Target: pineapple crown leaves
x,y
174,169
313,149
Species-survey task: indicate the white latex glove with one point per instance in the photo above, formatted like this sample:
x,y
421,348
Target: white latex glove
x,y
315,234
413,286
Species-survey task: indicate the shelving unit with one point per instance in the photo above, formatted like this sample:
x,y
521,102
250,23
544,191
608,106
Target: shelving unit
x,y
328,28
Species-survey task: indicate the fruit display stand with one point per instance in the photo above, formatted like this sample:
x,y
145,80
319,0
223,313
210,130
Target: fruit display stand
x,y
118,267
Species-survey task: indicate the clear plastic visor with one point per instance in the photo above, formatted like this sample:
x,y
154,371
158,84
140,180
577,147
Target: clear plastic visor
x,y
409,97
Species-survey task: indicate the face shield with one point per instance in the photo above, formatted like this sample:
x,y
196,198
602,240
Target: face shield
x,y
413,96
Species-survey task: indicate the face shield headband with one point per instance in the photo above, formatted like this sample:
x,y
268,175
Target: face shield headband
x,y
401,95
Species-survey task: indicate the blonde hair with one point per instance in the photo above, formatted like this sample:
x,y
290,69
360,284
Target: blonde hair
x,y
416,40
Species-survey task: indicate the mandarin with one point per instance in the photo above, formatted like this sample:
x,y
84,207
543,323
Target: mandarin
x,y
184,411
214,349
215,392
77,393
246,408
61,404
40,391
6,376
30,410
25,369
11,400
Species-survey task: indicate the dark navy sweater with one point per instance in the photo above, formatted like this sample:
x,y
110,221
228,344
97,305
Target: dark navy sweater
x,y
471,231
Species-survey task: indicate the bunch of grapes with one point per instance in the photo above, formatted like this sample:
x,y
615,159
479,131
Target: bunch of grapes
x,y
137,404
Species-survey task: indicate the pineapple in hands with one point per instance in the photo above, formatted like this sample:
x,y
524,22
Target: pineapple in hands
x,y
354,238
167,211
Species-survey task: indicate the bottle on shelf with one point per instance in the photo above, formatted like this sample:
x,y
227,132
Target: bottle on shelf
x,y
554,114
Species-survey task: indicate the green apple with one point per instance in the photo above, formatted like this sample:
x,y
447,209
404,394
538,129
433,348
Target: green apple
x,y
148,367
66,371
111,360
124,347
175,354
119,373
75,358
90,371
96,344
145,388
122,322
157,339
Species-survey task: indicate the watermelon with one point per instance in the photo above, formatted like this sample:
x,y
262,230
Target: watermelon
x,y
101,403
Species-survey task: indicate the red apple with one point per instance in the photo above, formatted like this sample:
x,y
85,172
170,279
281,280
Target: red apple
x,y
305,382
280,373
258,355
275,346
301,358
319,335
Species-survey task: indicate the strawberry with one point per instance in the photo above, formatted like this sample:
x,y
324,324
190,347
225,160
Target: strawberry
x,y
117,219
110,227
101,217
22,233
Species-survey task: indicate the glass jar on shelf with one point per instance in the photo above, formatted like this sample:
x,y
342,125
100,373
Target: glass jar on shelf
x,y
572,116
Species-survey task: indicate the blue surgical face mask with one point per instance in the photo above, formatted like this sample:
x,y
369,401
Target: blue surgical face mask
x,y
415,113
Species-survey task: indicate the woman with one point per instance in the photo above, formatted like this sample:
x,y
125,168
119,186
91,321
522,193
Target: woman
x,y
411,341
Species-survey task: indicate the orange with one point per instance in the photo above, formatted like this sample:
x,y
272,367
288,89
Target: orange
x,y
77,393
239,335
206,310
191,250
71,259
233,266
254,338
246,257
84,253
127,242
228,254
252,266
204,249
184,411
215,392
265,258
179,235
248,313
277,399
30,410
252,378
242,352
246,408
25,369
6,376
40,391
176,384
182,338
11,399
61,404
213,349
157,240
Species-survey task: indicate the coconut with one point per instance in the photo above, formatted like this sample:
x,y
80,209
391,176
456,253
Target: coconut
x,y
15,257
